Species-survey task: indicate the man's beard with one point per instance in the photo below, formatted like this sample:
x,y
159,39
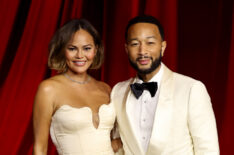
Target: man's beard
x,y
155,64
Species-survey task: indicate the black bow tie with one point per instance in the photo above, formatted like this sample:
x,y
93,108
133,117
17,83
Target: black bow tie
x,y
138,88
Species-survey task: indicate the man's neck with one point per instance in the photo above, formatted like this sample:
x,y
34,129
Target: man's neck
x,y
147,77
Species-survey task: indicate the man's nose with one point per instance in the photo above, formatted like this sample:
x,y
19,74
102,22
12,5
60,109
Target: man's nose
x,y
142,49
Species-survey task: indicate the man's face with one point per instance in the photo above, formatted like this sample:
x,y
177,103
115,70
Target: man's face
x,y
144,47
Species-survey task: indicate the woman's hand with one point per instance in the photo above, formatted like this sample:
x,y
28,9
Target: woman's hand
x,y
116,144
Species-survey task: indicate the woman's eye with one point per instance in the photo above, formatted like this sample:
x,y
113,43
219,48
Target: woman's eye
x,y
71,48
87,48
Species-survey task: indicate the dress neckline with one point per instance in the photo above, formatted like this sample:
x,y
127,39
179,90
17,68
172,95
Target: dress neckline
x,y
89,109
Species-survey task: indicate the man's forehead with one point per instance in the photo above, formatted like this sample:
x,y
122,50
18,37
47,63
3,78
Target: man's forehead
x,y
140,28
143,25
136,39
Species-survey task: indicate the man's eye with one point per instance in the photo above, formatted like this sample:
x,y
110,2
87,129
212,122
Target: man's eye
x,y
134,44
150,43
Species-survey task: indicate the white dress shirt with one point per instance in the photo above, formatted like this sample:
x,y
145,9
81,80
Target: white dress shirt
x,y
142,111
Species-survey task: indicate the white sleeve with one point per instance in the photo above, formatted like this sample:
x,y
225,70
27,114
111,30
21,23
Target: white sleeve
x,y
201,121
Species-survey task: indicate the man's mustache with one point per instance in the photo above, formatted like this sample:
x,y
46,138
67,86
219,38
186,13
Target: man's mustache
x,y
143,57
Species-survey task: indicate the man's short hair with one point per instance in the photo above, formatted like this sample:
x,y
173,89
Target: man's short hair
x,y
145,19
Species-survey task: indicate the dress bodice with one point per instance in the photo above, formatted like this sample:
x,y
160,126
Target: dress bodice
x,y
73,132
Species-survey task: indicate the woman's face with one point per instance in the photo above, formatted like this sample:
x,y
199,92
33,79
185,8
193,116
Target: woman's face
x,y
80,52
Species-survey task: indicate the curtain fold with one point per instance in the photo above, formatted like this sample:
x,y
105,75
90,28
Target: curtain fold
x,y
71,9
166,12
114,43
226,131
9,8
200,44
27,70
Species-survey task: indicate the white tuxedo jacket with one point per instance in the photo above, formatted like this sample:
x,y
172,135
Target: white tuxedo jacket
x,y
184,122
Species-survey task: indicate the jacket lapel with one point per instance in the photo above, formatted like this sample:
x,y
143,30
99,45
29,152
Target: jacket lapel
x,y
128,129
163,115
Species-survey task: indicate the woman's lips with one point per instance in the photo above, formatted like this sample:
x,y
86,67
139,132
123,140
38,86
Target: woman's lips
x,y
79,63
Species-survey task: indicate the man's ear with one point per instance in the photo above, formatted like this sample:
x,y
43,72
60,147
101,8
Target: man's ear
x,y
164,45
126,48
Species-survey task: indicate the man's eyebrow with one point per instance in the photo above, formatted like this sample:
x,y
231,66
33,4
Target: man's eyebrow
x,y
132,39
146,38
151,37
137,39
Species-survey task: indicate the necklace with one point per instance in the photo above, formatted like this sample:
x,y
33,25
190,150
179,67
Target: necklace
x,y
79,82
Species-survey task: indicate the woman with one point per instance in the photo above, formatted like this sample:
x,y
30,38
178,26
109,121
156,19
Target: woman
x,y
72,105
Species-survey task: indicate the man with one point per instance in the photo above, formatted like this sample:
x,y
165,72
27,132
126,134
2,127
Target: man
x,y
160,112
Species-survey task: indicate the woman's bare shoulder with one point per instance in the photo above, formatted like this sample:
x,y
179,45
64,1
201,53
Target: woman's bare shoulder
x,y
50,85
104,86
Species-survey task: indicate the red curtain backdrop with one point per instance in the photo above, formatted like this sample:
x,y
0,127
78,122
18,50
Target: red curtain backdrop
x,y
200,44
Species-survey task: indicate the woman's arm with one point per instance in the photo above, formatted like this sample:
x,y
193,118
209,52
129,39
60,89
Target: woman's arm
x,y
42,113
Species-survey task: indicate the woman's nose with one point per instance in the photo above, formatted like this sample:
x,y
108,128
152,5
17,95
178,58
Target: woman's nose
x,y
79,54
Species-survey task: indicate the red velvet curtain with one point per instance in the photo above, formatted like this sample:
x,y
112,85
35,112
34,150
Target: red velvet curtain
x,y
199,34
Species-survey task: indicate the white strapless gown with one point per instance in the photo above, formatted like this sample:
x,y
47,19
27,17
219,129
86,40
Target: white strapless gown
x,y
73,133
